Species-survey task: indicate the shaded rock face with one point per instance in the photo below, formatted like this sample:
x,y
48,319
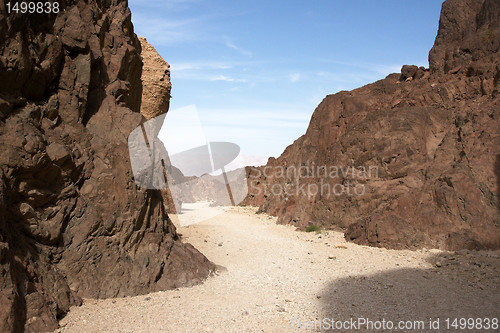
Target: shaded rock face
x,y
411,159
72,221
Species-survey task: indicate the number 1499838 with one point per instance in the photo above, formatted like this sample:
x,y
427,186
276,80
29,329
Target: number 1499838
x,y
33,7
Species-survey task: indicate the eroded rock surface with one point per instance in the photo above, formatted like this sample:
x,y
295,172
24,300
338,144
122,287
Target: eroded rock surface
x,y
73,223
155,82
421,148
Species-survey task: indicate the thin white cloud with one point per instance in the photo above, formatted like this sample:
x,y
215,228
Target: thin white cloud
x,y
226,78
198,65
231,45
170,4
168,32
241,118
257,131
383,69
294,77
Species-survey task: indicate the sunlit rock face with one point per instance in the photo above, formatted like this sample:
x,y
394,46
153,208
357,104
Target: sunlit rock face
x,y
156,84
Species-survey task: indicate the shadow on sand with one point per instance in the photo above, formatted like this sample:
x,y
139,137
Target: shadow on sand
x,y
454,291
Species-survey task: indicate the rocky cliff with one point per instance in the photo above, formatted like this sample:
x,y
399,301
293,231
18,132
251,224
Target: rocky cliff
x,y
73,223
408,161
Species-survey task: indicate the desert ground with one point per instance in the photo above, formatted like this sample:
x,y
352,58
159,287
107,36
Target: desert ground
x,y
276,279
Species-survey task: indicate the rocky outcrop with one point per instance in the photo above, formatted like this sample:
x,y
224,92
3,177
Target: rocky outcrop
x,y
408,161
155,82
155,102
73,223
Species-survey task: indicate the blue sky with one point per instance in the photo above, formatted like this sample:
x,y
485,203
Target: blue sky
x,y
256,70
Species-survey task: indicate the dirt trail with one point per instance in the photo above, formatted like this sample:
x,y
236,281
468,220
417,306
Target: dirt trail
x,y
278,279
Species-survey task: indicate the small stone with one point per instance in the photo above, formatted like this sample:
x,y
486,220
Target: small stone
x,y
280,309
147,298
26,210
455,70
408,72
438,264
288,300
341,246
58,153
220,244
332,257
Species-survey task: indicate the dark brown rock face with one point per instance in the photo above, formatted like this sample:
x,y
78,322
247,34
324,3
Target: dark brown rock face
x,y
72,221
407,161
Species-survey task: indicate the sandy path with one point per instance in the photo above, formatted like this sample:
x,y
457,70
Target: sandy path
x,y
278,278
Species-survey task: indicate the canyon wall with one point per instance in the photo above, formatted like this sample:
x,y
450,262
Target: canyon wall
x,y
408,161
73,223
